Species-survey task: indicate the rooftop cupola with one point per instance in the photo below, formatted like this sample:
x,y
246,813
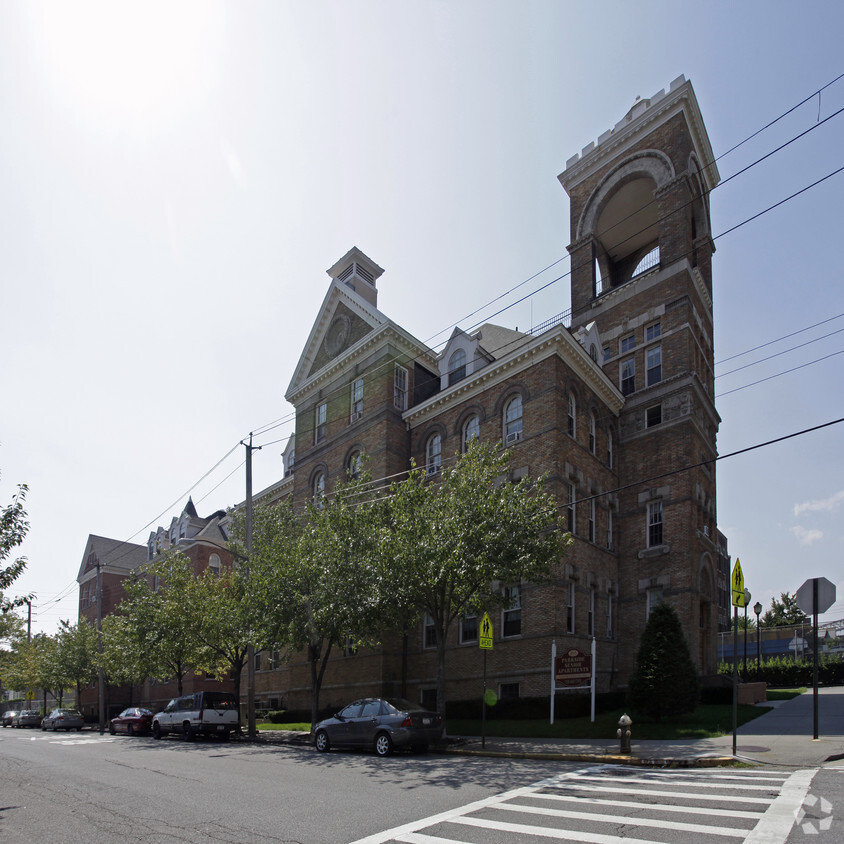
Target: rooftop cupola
x,y
358,272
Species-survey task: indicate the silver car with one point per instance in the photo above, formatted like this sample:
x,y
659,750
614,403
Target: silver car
x,y
27,718
9,716
63,719
381,724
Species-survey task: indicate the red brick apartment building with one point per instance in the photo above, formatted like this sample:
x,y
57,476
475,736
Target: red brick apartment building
x,y
612,401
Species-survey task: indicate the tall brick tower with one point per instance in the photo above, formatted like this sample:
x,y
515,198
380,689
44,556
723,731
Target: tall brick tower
x,y
641,255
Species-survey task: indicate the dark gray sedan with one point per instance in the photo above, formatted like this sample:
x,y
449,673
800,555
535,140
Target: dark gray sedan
x,y
63,719
382,724
27,718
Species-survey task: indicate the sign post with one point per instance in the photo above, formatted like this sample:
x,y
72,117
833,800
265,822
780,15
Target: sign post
x,y
485,643
815,596
739,600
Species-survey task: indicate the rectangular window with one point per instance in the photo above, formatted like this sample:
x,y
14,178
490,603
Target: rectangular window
x,y
610,543
468,629
653,365
320,417
653,416
570,514
592,520
508,691
652,332
654,596
607,353
430,638
628,343
257,661
609,616
570,608
628,376
428,699
351,646
357,399
511,617
654,524
400,388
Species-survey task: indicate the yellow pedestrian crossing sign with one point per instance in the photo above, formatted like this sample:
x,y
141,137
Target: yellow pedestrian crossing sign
x,y
485,638
737,581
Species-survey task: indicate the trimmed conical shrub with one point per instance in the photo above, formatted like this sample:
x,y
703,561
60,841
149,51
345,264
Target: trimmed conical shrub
x,y
664,682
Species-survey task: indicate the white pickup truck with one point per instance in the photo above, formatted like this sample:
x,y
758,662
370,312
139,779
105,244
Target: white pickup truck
x,y
202,713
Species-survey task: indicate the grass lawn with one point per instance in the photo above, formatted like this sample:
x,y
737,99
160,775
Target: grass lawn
x,y
707,721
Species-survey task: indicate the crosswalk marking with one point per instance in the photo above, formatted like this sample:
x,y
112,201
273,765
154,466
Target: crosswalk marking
x,y
575,807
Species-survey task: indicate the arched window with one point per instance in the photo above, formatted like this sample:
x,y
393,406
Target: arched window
x,y
319,488
572,415
648,262
471,430
214,564
456,366
434,454
592,432
355,464
610,455
513,420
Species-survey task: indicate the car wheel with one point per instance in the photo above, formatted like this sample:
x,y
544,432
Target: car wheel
x,y
111,729
130,730
188,731
383,744
43,729
321,741
156,730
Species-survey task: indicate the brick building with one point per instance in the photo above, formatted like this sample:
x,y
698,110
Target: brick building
x,y
201,539
612,401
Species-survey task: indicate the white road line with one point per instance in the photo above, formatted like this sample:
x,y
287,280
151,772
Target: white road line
x,y
656,823
778,820
656,807
546,832
692,795
419,838
702,783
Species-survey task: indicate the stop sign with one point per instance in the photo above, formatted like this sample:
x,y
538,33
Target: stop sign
x,y
826,596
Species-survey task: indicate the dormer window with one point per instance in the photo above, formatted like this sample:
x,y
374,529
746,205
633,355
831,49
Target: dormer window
x,y
457,366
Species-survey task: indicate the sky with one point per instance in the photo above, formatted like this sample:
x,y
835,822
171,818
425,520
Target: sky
x,y
176,177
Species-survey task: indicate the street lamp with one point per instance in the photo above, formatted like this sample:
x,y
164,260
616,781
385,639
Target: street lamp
x,y
757,608
746,602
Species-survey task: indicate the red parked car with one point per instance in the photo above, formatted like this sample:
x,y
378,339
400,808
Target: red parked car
x,y
131,721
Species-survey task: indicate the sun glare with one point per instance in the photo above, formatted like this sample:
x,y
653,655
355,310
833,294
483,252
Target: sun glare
x,y
130,65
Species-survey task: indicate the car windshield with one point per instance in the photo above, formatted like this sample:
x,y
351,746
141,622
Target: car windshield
x,y
66,712
399,704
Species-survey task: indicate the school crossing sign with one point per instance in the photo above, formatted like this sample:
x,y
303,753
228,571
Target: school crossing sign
x,y
737,581
485,637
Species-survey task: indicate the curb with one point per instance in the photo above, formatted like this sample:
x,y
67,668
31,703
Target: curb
x,y
608,759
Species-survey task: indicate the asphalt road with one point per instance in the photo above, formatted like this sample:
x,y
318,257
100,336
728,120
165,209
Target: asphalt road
x,y
81,787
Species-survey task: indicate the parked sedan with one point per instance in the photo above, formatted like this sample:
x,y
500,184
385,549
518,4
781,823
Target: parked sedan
x,y
8,717
63,719
131,721
380,723
27,718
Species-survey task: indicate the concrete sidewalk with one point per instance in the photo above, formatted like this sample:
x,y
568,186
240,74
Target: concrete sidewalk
x,y
782,736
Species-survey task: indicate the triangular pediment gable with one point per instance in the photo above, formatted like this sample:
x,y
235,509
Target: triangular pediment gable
x,y
344,319
112,554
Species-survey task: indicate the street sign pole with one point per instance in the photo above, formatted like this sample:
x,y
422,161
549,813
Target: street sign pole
x,y
815,658
735,676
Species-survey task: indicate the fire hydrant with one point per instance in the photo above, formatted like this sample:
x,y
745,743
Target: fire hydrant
x,y
624,732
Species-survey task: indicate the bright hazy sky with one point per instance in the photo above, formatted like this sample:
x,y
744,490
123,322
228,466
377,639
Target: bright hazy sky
x,y
176,177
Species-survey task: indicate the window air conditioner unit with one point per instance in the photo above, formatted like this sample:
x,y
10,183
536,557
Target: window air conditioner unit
x,y
513,437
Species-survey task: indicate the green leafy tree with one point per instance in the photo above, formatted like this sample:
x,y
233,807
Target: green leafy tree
x,y
224,623
166,617
783,612
11,631
50,673
316,579
664,681
125,657
77,654
13,529
450,547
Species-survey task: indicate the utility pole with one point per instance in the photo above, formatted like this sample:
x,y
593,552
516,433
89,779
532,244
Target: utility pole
x,y
251,730
100,678
29,620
